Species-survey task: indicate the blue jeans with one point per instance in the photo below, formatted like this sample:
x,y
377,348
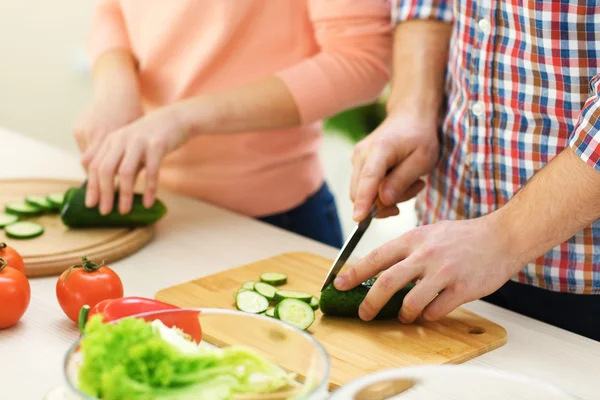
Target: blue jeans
x,y
316,218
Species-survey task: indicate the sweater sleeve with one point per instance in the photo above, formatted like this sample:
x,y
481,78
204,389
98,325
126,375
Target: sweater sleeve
x,y
353,64
108,30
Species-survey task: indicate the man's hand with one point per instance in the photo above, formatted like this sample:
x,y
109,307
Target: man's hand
x,y
390,162
123,153
460,260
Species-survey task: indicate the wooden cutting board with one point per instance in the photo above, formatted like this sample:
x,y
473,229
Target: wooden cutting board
x,y
356,348
60,247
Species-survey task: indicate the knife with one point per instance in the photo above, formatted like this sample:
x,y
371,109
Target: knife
x,y
350,245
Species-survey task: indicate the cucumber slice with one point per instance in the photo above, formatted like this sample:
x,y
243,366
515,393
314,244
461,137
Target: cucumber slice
x,y
295,312
274,278
24,230
7,219
241,290
56,200
40,202
265,289
314,303
251,302
20,208
248,285
292,294
270,312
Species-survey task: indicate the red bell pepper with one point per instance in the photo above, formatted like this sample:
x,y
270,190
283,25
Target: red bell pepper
x,y
168,314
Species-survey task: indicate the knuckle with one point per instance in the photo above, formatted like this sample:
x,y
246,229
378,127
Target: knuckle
x,y
351,275
386,281
373,257
105,169
410,305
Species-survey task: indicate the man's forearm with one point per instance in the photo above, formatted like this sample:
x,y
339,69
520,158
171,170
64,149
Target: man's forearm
x,y
115,73
266,104
419,65
559,201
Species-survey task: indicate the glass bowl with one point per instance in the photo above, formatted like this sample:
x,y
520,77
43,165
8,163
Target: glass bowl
x,y
283,344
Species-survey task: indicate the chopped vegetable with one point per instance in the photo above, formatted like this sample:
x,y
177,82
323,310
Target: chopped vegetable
x,y
40,202
270,312
56,200
296,312
12,257
251,302
15,294
314,303
24,230
266,290
249,285
134,359
86,284
292,294
22,209
7,219
274,278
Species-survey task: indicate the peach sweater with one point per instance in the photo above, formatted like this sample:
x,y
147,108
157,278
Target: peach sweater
x,y
331,54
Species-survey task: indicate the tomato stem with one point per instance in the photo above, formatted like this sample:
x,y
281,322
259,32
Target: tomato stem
x,y
3,264
83,316
3,245
87,265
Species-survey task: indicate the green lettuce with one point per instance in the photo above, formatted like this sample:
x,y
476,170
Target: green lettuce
x,y
131,360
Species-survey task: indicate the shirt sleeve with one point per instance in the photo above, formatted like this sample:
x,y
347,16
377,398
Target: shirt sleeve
x,y
353,64
108,30
404,10
585,139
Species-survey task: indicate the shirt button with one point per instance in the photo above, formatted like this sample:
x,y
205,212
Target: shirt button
x,y
478,108
484,25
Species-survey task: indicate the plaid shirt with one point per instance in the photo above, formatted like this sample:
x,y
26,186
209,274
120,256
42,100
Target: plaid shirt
x,y
523,83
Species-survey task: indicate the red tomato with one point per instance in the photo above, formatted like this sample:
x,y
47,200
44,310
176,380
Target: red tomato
x,y
15,294
12,258
86,284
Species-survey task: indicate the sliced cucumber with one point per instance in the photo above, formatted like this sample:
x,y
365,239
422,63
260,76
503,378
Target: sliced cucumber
x,y
314,303
248,285
40,202
56,200
295,312
265,289
270,312
251,302
24,230
292,294
274,278
20,208
7,219
241,290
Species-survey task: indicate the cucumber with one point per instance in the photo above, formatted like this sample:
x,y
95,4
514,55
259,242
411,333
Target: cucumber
x,y
241,290
24,230
345,304
314,303
270,312
295,312
56,200
292,294
75,214
7,219
40,202
274,278
251,302
22,209
265,289
248,285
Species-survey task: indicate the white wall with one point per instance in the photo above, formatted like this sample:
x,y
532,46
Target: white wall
x,y
44,83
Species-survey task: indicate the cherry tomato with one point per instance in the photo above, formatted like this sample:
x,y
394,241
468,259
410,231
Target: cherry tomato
x,y
15,294
12,258
89,284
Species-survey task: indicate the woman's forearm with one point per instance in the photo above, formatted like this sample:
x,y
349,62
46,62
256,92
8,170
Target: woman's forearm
x,y
115,74
263,105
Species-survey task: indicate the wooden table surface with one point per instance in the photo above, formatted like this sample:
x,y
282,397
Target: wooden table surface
x,y
197,239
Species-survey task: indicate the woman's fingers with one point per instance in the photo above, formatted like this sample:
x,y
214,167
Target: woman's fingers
x,y
128,171
154,154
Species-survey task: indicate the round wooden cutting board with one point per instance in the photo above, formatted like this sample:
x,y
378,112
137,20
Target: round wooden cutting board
x,y
60,247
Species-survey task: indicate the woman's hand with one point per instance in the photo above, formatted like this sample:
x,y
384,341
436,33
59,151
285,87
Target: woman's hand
x,y
123,153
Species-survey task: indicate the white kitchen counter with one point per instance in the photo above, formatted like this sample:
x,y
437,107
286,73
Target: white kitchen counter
x,y
197,239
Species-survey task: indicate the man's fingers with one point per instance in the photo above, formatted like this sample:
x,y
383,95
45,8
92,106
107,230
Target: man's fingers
x,y
419,297
390,282
412,191
154,154
395,186
371,176
127,174
358,162
376,261
446,302
388,212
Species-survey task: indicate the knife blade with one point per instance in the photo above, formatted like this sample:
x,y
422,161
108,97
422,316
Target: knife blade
x,y
349,246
